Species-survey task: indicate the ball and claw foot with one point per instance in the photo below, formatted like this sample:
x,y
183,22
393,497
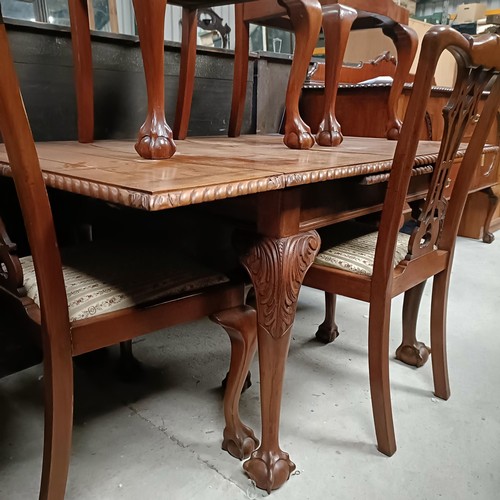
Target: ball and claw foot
x,y
269,470
240,442
413,355
299,137
155,141
155,148
393,131
329,133
327,335
488,237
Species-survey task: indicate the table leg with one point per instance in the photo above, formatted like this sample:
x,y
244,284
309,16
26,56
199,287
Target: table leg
x,y
155,137
305,16
406,41
337,23
277,267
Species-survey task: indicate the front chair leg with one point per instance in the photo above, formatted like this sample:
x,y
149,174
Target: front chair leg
x,y
328,330
58,388
411,351
240,324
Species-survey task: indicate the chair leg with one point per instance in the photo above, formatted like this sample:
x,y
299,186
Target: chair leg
x,y
240,324
411,351
305,17
337,22
241,49
129,368
406,41
82,59
493,199
378,360
328,330
58,387
186,73
438,334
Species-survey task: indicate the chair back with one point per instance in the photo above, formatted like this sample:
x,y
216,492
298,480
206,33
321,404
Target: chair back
x,y
478,61
32,194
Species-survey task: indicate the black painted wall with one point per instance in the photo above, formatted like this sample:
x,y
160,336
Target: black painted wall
x,y
44,63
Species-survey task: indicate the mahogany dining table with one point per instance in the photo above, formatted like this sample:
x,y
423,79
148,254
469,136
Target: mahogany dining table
x,y
282,195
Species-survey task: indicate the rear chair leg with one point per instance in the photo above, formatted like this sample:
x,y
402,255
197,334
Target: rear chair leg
x,y
129,368
328,330
240,324
411,351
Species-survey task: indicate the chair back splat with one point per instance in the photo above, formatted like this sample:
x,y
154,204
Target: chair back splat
x,y
478,61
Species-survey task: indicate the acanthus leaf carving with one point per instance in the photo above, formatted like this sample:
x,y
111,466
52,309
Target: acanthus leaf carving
x,y
277,267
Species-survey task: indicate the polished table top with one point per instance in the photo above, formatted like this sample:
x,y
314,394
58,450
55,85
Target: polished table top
x,y
206,169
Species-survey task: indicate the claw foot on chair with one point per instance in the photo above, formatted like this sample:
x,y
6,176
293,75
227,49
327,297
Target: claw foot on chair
x,y
298,136
329,133
414,355
488,237
393,130
239,441
326,335
269,469
155,140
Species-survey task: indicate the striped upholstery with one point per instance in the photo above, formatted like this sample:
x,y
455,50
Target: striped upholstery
x,y
102,278
357,255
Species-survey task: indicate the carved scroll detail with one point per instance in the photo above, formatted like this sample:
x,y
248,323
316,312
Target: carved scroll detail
x,y
277,267
459,112
11,271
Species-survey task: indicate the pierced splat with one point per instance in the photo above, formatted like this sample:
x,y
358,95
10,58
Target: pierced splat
x,y
460,111
11,271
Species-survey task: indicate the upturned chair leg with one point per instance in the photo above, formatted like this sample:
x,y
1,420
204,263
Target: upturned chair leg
x,y
186,73
337,23
406,41
378,360
82,59
328,330
438,334
241,48
240,324
58,388
411,351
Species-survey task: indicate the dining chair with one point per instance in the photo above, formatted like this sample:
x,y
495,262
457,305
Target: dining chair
x,y
83,298
378,266
338,19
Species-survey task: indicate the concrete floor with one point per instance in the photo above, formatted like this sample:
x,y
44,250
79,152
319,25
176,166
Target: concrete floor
x,y
160,438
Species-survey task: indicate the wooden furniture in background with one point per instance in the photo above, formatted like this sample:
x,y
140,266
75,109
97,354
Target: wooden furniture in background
x,y
482,211
155,137
382,265
74,308
337,22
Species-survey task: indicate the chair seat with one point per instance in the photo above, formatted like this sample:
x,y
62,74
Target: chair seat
x,y
357,255
100,279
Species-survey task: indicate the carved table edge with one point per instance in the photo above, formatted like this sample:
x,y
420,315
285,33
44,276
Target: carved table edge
x,y
152,202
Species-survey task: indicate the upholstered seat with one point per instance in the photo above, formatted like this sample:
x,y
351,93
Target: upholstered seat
x,y
99,278
357,255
